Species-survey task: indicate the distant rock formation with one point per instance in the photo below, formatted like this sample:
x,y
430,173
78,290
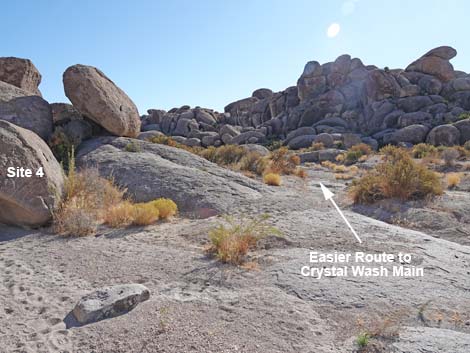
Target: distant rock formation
x,y
380,106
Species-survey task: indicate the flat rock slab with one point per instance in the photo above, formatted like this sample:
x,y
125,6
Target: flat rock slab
x,y
109,302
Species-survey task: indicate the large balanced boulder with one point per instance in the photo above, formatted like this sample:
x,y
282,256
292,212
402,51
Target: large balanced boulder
x,y
109,302
99,99
20,73
32,113
27,200
436,63
199,187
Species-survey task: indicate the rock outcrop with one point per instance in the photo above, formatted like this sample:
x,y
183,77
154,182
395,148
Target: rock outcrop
x,y
27,201
32,113
345,96
20,73
99,99
9,92
199,187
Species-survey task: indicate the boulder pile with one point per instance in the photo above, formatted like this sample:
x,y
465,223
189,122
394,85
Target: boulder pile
x,y
426,102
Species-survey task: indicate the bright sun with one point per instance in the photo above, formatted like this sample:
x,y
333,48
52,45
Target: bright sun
x,y
333,30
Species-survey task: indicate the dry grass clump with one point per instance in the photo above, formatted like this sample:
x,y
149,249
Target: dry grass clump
x,y
342,172
272,179
90,200
453,180
166,208
397,177
231,240
449,156
355,154
144,214
422,150
120,215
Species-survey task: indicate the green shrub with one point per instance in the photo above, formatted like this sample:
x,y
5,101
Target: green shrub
x,y
353,154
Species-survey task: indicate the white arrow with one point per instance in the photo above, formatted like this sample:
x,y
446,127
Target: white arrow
x,y
329,196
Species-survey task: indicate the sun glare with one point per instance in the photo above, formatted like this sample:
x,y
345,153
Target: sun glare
x,y
333,30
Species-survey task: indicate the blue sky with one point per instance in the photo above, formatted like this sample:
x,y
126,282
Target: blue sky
x,y
212,52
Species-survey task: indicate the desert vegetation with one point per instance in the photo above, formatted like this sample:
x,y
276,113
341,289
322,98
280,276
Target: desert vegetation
x,y
398,176
232,239
90,200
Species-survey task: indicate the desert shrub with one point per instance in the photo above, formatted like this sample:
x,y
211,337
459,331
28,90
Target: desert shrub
x,y
164,140
422,150
86,196
355,153
449,156
272,179
72,220
144,214
132,147
453,180
166,207
397,177
253,162
273,144
462,116
90,200
283,161
120,215
231,240
62,147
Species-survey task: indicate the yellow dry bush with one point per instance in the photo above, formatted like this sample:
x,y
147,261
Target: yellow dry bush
x,y
144,214
343,176
397,177
166,208
453,180
272,179
422,150
120,215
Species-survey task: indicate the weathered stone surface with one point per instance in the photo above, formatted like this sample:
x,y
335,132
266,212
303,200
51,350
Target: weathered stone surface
x,y
414,118
464,128
199,187
431,339
350,140
20,73
261,150
328,154
63,113
262,93
444,135
246,136
9,92
32,113
99,99
411,134
27,201
435,63
109,302
325,139
380,85
306,130
301,141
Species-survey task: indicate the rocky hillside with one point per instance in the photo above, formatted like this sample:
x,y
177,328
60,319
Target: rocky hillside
x,y
424,102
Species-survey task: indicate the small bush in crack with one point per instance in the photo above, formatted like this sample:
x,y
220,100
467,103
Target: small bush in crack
x,y
232,239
